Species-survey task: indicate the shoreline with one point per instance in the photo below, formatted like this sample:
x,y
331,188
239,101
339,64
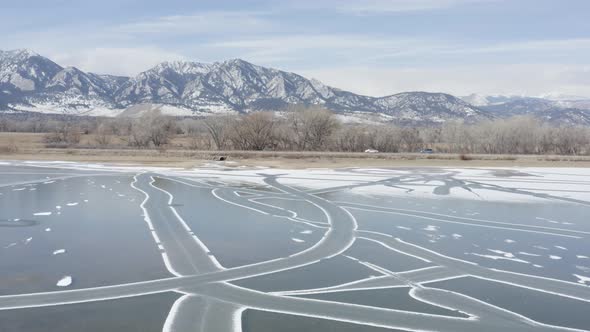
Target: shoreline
x,y
292,160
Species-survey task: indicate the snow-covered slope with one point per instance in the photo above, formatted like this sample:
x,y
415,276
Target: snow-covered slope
x,y
24,71
557,110
35,84
32,83
433,107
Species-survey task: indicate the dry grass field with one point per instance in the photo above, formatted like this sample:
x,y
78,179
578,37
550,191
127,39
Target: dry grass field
x,y
28,146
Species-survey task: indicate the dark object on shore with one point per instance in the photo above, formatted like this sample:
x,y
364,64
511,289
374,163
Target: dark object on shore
x,y
465,157
223,158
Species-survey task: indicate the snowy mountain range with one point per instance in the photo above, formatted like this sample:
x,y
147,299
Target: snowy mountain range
x,y
557,109
30,82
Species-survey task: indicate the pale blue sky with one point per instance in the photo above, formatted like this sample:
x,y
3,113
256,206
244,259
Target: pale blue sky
x,y
374,47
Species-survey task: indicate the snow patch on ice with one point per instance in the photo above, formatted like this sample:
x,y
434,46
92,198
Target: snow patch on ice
x,y
503,253
65,281
494,257
431,228
582,279
42,214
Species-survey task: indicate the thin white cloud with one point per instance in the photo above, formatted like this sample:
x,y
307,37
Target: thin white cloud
x,y
576,50
291,42
367,49
115,61
205,23
577,44
519,79
389,6
369,7
314,48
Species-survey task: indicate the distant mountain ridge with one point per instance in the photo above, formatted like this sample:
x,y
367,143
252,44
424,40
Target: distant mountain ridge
x,y
559,109
30,82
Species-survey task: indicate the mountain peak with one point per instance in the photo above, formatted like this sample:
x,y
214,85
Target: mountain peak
x,y
237,61
190,88
21,52
182,67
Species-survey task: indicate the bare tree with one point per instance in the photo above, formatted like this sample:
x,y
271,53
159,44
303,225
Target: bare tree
x,y
411,139
218,128
138,136
570,140
353,138
138,133
64,133
311,126
387,138
161,130
103,134
253,131
152,127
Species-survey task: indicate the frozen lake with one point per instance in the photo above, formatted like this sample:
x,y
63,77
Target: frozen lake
x,y
104,248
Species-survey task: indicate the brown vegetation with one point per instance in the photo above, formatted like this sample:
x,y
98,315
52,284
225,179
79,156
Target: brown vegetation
x,y
304,129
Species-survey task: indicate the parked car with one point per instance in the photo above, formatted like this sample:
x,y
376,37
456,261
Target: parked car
x,y
428,151
371,151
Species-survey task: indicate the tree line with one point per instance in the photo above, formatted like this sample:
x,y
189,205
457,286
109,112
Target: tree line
x,y
302,128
